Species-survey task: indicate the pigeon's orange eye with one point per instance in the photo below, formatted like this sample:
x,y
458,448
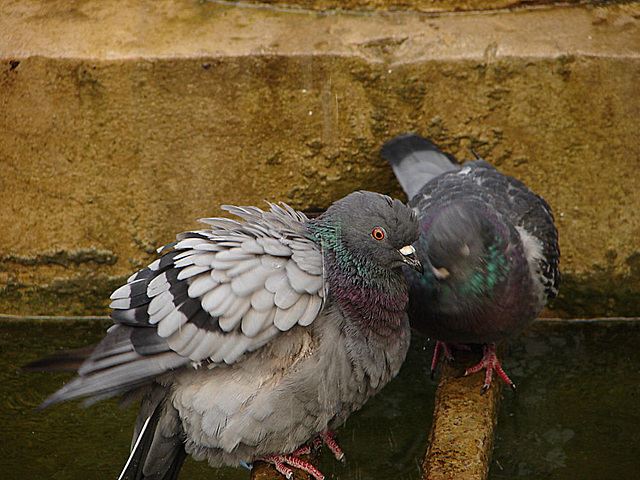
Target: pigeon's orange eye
x,y
378,233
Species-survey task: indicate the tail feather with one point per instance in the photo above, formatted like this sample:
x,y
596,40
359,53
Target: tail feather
x,y
112,367
116,379
416,160
69,361
158,451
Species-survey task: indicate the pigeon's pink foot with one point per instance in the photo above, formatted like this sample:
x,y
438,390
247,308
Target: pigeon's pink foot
x,y
329,439
491,363
283,462
444,349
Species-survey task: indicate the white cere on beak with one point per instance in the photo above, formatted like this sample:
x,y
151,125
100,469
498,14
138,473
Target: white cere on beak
x,y
407,250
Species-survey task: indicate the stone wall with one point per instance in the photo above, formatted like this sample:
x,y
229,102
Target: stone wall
x,y
122,123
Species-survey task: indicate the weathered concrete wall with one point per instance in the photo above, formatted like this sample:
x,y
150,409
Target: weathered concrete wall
x,y
121,123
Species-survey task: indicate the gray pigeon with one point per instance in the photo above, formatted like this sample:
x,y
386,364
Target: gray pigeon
x,y
489,247
252,337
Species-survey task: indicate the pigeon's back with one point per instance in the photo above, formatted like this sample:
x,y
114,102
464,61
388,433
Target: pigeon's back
x,y
433,179
479,182
490,242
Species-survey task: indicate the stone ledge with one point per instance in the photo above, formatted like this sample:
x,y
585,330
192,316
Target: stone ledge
x,y
464,419
174,29
424,6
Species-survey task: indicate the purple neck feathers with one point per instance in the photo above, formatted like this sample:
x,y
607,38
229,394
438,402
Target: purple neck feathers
x,y
377,306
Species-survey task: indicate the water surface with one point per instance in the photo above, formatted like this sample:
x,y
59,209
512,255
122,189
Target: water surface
x,y
384,440
577,411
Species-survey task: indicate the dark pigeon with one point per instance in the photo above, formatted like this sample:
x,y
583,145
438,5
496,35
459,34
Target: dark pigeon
x,y
249,339
489,247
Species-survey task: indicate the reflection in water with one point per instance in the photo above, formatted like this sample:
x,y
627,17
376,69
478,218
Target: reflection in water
x,y
384,440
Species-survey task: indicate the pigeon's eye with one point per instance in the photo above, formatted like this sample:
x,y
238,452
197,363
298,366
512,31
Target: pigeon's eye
x,y
378,233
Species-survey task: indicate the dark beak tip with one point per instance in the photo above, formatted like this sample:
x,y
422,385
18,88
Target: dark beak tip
x,y
410,258
413,262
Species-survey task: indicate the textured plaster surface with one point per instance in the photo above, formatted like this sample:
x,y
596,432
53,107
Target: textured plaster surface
x,y
121,123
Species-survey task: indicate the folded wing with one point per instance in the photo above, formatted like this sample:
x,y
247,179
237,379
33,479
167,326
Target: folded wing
x,y
213,296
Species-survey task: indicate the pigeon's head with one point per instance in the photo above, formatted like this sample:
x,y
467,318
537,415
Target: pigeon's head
x,y
369,229
464,246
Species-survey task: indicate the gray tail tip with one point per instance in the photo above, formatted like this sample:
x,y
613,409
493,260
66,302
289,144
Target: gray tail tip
x,y
50,401
405,144
67,361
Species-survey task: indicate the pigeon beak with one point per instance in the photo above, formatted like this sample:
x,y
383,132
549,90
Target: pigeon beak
x,y
410,258
440,274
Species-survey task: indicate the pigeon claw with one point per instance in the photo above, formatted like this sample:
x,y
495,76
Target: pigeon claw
x,y
316,444
441,349
491,363
304,450
283,462
329,438
280,463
